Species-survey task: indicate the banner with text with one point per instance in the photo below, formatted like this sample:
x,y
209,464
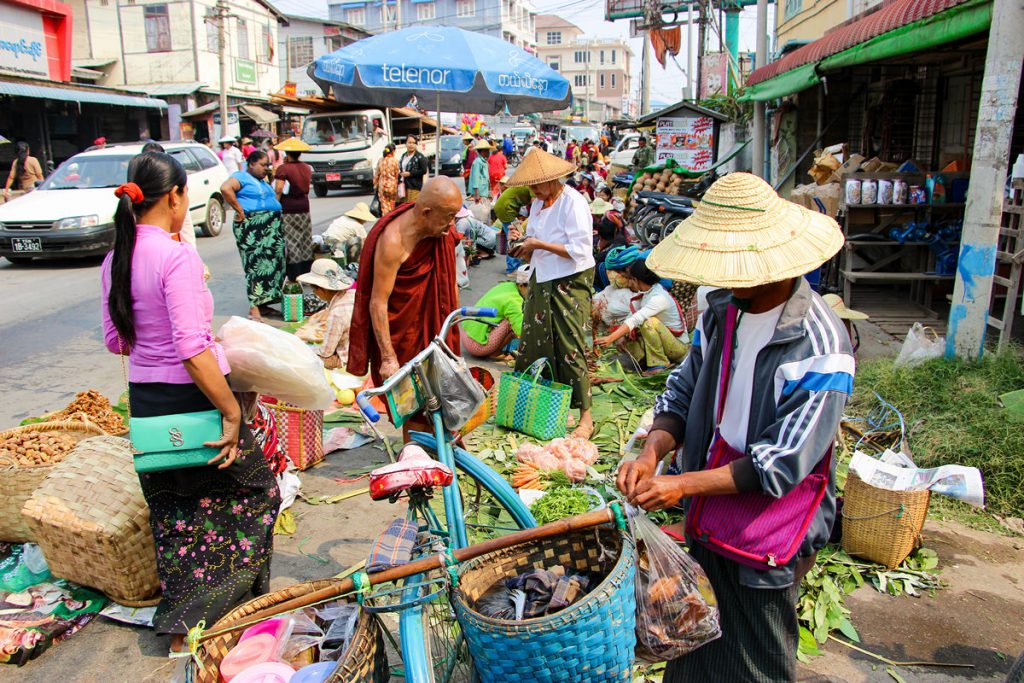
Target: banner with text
x,y
23,42
690,141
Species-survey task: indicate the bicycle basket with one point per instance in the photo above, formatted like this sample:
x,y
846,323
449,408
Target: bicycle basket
x,y
532,405
590,641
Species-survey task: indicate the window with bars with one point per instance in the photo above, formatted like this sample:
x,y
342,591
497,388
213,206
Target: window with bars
x,y
300,51
266,46
158,28
581,56
580,80
212,37
465,8
356,16
554,37
425,11
242,35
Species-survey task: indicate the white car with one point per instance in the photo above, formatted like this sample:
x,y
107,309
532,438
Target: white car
x,y
623,153
71,214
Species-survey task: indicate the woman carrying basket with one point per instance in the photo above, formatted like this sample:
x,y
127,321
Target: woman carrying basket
x,y
559,246
213,525
755,408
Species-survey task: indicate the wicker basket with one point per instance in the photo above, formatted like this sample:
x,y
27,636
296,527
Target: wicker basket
x,y
365,661
592,640
92,523
299,431
881,525
21,481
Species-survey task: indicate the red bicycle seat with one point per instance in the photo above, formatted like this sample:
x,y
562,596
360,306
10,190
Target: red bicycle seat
x,y
414,469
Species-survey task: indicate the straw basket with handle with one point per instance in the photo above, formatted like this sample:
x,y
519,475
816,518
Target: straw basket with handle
x,y
20,481
92,522
881,525
365,660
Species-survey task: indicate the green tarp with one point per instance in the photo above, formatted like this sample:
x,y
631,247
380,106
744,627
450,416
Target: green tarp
x,y
951,25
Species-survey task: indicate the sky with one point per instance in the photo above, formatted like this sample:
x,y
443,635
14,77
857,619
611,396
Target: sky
x,y
667,84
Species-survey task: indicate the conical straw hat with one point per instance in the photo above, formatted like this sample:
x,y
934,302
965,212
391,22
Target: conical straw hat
x,y
292,145
539,167
742,234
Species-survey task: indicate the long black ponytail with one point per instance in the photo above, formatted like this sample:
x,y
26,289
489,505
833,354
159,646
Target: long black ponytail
x,y
19,163
150,176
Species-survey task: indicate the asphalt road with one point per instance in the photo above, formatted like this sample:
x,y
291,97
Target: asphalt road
x,y
51,342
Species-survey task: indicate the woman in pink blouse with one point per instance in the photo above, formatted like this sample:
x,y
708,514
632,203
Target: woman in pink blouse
x,y
213,525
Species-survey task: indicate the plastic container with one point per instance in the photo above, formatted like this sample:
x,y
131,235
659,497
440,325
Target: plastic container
x,y
885,191
869,192
853,192
900,192
268,672
937,190
279,628
258,649
314,673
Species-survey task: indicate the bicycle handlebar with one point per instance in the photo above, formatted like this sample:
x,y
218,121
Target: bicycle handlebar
x,y
363,397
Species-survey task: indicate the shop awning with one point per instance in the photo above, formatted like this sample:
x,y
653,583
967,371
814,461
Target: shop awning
x,y
78,95
259,114
898,28
207,108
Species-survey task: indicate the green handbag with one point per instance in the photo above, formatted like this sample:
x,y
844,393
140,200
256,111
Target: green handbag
x,y
532,405
174,442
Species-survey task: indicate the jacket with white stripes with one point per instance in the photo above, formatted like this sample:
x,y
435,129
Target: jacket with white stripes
x,y
801,383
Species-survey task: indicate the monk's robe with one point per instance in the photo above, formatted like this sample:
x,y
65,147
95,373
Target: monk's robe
x,y
423,296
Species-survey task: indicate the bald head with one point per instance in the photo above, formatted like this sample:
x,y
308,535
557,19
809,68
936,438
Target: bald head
x,y
437,205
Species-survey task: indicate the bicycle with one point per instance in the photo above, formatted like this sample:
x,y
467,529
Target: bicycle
x,y
432,646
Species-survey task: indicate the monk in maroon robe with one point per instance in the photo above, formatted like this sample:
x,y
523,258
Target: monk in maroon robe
x,y
406,286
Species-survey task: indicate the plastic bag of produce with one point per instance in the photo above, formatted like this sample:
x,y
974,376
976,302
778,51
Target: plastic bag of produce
x,y
268,361
676,609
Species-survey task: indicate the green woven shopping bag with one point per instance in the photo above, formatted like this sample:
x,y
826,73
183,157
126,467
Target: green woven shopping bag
x,y
532,405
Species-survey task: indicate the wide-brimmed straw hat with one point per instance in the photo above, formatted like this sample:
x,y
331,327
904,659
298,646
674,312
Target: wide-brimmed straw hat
x,y
326,273
838,306
540,167
482,145
361,212
292,145
742,234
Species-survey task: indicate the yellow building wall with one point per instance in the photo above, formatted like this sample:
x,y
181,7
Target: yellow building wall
x,y
812,21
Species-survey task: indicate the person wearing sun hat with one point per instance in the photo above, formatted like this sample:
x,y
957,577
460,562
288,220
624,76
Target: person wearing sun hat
x,y
847,315
347,232
336,290
292,180
559,245
478,186
755,408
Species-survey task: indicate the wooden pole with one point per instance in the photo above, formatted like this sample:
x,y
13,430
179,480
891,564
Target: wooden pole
x,y
760,133
559,528
968,317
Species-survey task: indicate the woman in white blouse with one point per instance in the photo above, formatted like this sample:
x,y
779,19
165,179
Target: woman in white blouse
x,y
559,246
654,332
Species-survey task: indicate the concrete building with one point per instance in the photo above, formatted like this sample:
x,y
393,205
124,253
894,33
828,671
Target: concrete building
x,y
168,49
305,39
801,21
597,68
511,20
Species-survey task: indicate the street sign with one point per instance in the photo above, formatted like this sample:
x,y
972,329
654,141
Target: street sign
x,y
232,118
245,71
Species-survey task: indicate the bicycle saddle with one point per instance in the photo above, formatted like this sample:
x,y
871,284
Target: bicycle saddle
x,y
414,469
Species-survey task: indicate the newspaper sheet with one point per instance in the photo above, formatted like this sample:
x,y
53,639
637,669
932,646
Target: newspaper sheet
x,y
956,481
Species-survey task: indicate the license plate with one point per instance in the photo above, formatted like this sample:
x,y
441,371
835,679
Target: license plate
x,y
333,176
26,244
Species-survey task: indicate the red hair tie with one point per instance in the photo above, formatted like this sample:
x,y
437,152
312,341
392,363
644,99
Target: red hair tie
x,y
133,191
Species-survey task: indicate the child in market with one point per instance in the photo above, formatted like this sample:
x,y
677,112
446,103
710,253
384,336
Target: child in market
x,y
339,292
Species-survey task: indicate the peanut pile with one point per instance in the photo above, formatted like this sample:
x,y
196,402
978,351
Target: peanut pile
x,y
32,449
96,408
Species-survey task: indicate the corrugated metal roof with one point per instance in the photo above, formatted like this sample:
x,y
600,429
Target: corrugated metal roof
x,y
170,89
77,95
888,16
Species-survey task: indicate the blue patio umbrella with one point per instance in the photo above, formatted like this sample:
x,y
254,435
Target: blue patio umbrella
x,y
456,70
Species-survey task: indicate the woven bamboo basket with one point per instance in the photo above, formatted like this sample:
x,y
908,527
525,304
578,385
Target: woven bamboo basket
x,y
92,522
881,525
365,661
21,481
590,641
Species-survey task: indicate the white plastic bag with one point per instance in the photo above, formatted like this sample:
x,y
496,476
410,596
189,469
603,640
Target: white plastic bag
x,y
676,609
921,344
268,361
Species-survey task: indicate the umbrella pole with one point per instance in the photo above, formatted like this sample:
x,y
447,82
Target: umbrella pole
x,y
437,138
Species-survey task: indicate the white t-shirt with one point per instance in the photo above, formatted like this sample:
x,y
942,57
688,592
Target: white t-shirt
x,y
753,333
656,303
232,159
613,304
567,222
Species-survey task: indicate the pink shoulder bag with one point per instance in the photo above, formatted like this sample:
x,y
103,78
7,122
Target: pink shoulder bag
x,y
754,528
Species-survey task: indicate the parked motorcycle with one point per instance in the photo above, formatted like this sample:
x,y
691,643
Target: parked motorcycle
x,y
656,214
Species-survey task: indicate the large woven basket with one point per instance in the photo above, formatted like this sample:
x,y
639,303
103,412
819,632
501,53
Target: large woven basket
x,y
19,481
92,523
881,525
591,641
365,661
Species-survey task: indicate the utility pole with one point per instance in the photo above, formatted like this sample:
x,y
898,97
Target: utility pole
x,y
221,14
760,135
972,292
645,72
702,22
689,53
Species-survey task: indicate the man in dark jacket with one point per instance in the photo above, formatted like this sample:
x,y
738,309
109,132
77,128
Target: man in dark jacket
x,y
753,411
